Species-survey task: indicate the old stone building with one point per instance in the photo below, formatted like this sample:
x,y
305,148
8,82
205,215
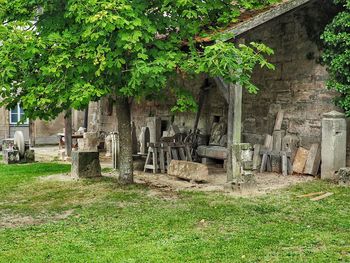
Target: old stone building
x,y
37,132
297,85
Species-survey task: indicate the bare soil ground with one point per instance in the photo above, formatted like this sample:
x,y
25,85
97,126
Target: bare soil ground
x,y
17,220
266,182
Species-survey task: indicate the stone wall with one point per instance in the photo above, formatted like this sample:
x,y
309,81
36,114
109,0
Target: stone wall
x,y
213,108
4,124
45,132
298,83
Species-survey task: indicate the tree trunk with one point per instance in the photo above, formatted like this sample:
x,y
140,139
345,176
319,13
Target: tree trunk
x,y
68,132
125,142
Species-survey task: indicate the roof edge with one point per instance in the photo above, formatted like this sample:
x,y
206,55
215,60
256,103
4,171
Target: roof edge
x,y
265,17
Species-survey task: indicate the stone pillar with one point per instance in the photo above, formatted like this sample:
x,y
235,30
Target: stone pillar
x,y
333,153
155,128
85,164
144,139
243,177
89,142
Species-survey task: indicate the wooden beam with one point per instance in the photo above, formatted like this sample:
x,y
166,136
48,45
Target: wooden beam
x,y
265,17
237,119
223,87
230,120
236,133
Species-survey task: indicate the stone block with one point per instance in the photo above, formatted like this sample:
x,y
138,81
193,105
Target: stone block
x,y
88,144
276,164
90,135
290,143
144,139
333,149
300,160
189,171
214,152
7,144
268,143
208,161
155,128
277,140
85,164
247,165
313,160
344,176
62,155
11,156
246,182
29,156
256,157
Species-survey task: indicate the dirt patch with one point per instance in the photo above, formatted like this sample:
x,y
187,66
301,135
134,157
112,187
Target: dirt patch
x,y
58,177
16,220
266,183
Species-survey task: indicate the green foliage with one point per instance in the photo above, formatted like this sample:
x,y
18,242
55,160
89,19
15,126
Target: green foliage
x,y
337,55
61,54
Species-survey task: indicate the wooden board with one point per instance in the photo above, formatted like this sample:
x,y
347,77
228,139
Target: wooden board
x,y
321,197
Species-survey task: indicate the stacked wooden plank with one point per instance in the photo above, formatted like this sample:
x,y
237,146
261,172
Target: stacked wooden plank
x,y
277,156
160,155
274,157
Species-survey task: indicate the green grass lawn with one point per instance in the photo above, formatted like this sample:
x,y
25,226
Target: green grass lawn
x,y
99,221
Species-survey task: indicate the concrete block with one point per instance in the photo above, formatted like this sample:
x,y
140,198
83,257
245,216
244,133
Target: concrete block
x,y
333,153
85,164
189,171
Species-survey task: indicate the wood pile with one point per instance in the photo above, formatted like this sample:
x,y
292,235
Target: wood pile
x,y
281,153
161,154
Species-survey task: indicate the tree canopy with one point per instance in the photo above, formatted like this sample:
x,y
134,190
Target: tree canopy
x,y
337,55
61,54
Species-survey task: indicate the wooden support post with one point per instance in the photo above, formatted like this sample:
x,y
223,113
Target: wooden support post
x,y
237,130
230,132
162,159
284,164
68,132
188,153
237,119
168,156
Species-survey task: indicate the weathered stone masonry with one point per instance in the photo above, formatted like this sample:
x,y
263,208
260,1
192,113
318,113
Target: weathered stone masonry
x,y
298,83
297,86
